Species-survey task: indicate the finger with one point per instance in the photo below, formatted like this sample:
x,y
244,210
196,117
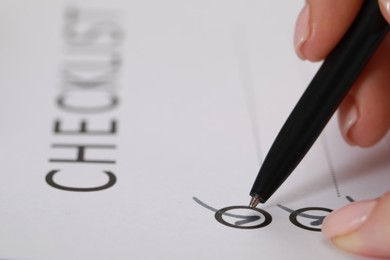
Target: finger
x,y
320,26
361,227
385,8
364,115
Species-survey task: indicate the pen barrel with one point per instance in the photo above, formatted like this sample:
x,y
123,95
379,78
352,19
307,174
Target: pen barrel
x,y
321,99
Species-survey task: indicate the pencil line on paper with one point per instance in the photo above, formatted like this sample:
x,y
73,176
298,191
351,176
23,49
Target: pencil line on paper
x,y
331,167
204,204
245,219
240,47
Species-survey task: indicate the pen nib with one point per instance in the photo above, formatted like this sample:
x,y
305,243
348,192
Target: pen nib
x,y
254,202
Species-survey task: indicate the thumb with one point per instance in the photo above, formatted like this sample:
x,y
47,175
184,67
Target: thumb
x,y
361,228
385,8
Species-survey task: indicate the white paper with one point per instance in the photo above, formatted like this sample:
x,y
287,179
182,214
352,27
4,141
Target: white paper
x,y
181,101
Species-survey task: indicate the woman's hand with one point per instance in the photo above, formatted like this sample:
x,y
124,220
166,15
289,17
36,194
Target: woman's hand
x,y
364,117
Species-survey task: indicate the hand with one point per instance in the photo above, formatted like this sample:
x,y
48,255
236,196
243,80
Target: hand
x,y
364,117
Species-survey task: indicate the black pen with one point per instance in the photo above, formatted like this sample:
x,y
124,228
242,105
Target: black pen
x,y
320,100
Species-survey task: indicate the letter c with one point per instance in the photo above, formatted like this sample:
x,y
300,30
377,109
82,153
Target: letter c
x,y
109,184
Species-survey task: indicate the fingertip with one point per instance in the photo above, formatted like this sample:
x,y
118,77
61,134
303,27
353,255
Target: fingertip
x,y
320,26
361,228
364,115
302,31
347,219
364,122
385,8
372,122
348,116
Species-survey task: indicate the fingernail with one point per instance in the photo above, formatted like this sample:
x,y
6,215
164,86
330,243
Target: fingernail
x,y
302,31
348,118
347,219
385,6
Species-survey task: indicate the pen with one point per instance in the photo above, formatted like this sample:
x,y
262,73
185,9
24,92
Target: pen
x,y
320,100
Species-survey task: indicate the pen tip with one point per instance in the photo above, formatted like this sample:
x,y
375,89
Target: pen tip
x,y
254,202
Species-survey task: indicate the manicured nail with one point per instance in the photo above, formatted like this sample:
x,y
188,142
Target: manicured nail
x,y
348,118
302,31
347,219
385,6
